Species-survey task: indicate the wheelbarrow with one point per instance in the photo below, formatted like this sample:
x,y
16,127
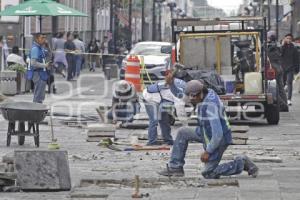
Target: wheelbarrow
x,y
22,112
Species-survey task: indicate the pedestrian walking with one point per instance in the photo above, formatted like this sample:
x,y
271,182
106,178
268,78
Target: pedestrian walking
x,y
93,49
70,48
60,60
80,49
290,64
49,59
213,131
106,49
39,67
274,58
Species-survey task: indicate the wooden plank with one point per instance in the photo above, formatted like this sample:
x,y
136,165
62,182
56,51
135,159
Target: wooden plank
x,y
101,127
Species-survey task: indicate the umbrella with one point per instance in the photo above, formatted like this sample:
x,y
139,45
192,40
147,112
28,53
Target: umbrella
x,y
41,8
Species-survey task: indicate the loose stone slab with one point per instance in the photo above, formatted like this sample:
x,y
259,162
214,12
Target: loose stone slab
x,y
101,127
240,136
101,134
239,141
39,170
240,129
135,125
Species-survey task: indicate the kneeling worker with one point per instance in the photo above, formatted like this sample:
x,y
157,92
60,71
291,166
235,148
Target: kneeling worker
x,y
125,104
213,131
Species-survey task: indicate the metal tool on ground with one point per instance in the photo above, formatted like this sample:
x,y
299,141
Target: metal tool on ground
x,y
150,148
108,143
53,144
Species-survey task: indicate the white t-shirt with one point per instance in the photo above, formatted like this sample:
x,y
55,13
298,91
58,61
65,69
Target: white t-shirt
x,y
167,95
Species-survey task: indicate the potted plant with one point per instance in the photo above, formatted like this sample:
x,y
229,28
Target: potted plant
x,y
20,70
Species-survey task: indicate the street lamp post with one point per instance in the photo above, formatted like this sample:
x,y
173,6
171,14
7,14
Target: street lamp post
x,y
153,21
143,20
277,18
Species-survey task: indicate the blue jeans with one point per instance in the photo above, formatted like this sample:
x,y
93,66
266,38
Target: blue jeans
x,y
78,62
157,116
123,113
39,88
288,77
212,168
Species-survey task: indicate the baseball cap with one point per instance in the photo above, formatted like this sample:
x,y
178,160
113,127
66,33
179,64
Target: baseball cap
x,y
194,87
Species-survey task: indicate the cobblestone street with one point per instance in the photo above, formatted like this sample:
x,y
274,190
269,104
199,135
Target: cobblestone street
x,y
101,173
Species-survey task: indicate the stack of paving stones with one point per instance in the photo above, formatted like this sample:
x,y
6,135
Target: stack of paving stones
x,y
97,132
7,175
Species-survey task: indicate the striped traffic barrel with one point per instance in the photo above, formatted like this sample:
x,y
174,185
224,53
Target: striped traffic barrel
x,y
133,72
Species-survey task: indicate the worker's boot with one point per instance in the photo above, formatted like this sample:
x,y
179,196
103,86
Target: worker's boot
x,y
250,167
179,172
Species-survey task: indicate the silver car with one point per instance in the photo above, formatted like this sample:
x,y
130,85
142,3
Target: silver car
x,y
156,58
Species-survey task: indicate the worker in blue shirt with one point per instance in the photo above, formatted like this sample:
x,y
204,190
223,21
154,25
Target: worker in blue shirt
x,y
39,66
213,131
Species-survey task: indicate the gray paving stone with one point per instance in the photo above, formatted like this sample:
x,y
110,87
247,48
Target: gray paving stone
x,y
42,170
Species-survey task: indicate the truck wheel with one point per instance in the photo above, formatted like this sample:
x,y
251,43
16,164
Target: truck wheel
x,y
272,114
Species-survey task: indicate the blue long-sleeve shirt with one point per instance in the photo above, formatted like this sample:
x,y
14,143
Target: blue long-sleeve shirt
x,y
213,125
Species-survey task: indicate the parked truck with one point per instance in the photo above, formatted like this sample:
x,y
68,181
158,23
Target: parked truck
x,y
235,49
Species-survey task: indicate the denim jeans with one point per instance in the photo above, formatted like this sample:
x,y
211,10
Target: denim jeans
x,y
124,113
78,62
39,88
288,77
158,116
212,168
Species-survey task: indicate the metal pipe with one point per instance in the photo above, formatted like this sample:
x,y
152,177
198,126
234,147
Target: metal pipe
x,y
153,21
130,22
143,20
277,19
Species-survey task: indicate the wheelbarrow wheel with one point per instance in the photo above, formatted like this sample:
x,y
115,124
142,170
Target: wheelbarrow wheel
x,y
11,128
21,138
37,141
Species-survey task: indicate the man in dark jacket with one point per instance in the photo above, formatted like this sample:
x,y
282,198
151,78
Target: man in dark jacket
x,y
274,55
290,64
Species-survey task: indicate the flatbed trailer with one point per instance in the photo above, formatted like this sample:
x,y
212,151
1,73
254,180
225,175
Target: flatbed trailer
x,y
191,36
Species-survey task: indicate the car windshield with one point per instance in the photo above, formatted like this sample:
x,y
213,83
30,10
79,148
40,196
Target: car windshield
x,y
150,49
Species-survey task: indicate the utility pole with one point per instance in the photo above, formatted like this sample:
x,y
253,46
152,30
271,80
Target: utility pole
x,y
153,21
92,19
269,14
159,23
130,22
143,20
55,23
277,19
